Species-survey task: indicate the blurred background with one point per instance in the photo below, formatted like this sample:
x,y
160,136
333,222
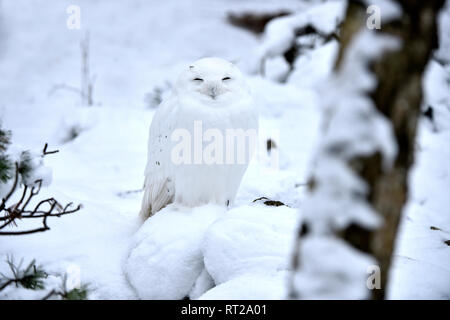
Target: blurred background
x,y
136,49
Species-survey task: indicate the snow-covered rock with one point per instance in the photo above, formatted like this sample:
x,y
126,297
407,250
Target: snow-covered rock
x,y
204,251
259,286
203,283
249,239
166,260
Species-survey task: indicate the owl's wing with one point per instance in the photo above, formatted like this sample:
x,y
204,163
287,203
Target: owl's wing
x,y
158,185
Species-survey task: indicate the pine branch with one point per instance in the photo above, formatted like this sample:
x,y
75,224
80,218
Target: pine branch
x,y
80,293
13,188
30,278
19,209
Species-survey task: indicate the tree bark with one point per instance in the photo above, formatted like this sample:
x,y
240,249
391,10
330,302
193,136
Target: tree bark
x,y
398,96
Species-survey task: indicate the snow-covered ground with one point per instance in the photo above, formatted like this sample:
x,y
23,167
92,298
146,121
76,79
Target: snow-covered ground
x,y
206,252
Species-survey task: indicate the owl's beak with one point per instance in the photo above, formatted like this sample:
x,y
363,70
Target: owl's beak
x,y
213,92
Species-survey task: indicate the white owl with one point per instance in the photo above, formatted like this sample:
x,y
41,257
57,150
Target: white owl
x,y
191,156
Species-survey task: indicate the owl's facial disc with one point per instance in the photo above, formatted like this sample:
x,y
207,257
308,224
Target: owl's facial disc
x,y
212,81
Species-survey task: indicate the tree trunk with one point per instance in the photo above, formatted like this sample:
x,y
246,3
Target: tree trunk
x,y
398,96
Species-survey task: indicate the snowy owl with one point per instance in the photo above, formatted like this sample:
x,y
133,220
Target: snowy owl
x,y
201,138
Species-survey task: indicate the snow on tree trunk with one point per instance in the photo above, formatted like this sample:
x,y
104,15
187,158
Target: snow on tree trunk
x,y
359,185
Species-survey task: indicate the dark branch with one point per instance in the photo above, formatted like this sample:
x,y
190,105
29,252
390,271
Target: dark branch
x,y
19,211
45,152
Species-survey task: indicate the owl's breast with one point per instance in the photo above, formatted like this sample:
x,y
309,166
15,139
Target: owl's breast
x,y
239,114
213,150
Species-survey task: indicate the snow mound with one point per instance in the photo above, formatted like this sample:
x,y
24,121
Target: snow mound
x,y
249,239
166,259
205,252
259,286
203,283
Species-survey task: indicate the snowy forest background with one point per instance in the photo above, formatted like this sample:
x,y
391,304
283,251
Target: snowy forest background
x,y
91,93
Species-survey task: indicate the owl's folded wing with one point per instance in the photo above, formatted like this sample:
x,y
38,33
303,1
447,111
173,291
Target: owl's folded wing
x,y
158,185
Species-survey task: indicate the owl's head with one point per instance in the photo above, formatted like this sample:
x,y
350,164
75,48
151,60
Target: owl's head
x,y
212,80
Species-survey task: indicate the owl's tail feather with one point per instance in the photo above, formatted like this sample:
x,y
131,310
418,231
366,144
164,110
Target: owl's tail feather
x,y
156,196
146,206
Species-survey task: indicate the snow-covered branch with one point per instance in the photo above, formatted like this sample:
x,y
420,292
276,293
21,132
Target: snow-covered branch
x,y
30,172
359,182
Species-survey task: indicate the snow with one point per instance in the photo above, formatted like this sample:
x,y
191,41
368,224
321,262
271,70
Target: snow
x,y
203,284
325,276
422,256
239,235
254,257
267,286
344,99
316,63
280,33
166,252
443,51
184,252
205,252
38,171
329,267
17,293
388,9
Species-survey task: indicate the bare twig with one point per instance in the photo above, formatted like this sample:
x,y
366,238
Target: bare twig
x,y
65,87
19,210
128,192
86,90
45,152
